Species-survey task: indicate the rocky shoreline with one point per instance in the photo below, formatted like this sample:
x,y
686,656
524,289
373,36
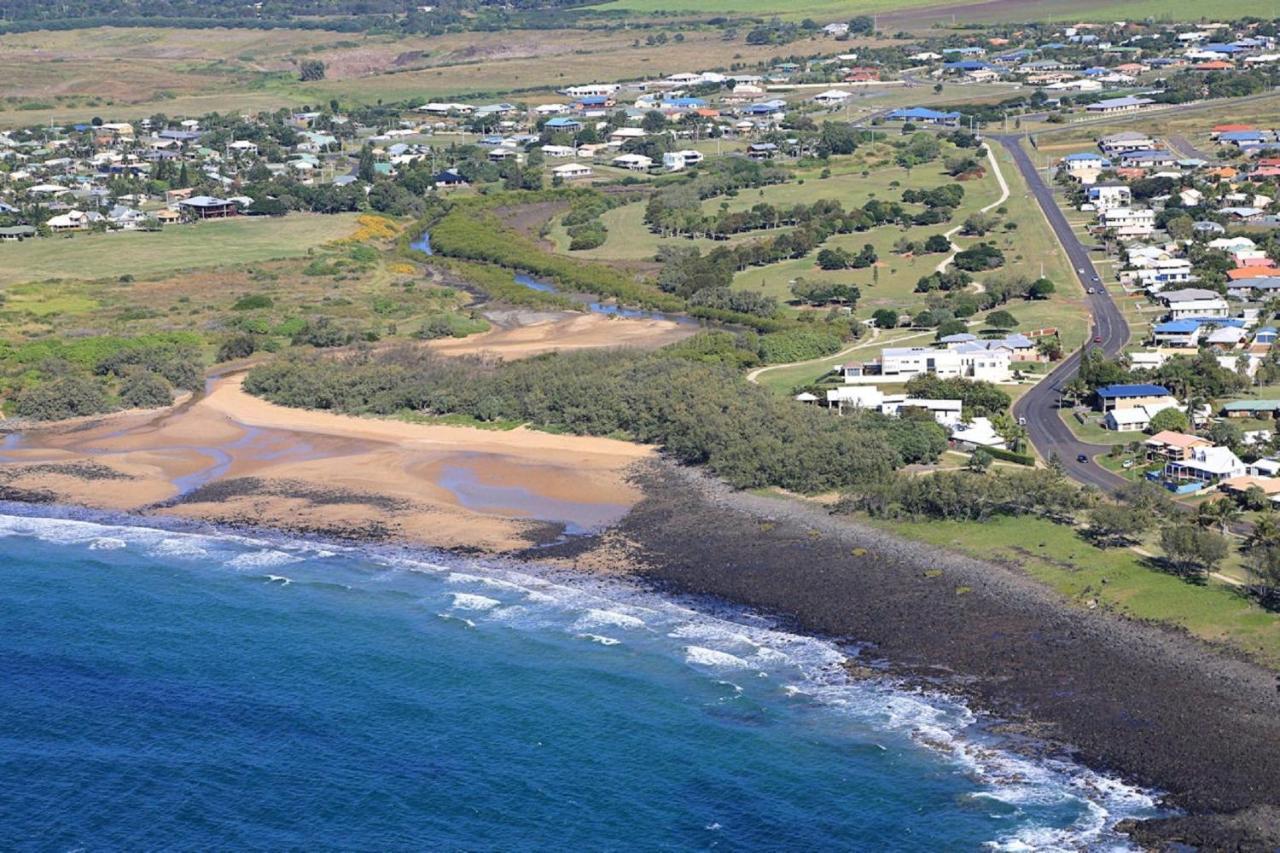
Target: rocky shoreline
x,y
1151,705
1156,707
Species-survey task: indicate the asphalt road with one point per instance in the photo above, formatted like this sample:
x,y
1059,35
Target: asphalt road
x,y
1039,406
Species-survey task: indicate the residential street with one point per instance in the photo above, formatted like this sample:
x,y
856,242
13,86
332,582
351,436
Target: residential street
x,y
1039,406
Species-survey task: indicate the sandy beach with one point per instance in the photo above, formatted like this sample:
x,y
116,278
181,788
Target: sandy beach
x,y
231,458
524,333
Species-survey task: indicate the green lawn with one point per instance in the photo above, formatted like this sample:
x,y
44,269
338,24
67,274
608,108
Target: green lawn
x,y
206,244
1116,578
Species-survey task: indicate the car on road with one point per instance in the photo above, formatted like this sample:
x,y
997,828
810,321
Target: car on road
x,y
1097,339
1089,290
1080,270
1082,458
1097,280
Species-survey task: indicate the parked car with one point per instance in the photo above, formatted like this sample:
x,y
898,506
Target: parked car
x,y
1082,458
1128,463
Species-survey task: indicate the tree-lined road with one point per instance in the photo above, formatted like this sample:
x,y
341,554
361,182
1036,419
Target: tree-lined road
x,y
1038,408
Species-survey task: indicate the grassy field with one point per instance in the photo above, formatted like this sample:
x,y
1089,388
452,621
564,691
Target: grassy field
x,y
371,292
920,13
1117,578
129,72
206,244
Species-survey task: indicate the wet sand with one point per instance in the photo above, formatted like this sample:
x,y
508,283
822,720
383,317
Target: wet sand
x,y
234,459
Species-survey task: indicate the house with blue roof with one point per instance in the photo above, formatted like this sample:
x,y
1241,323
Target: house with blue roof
x,y
1265,335
1177,333
570,125
965,65
924,115
1221,49
1114,397
1085,160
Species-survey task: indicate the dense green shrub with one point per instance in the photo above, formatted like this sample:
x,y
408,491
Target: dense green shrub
x,y
797,345
66,397
237,346
143,389
252,302
699,412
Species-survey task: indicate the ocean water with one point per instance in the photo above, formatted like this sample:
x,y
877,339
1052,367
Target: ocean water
x,y
164,689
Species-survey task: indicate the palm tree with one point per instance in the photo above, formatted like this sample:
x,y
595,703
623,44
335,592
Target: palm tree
x,y
1265,533
1221,512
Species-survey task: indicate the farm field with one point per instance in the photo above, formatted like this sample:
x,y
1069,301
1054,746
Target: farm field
x,y
206,244
74,75
918,13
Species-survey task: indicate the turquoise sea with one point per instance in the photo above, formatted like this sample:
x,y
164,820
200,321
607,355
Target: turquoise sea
x,y
170,690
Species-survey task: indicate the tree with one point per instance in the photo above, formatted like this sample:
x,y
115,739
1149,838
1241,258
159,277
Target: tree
x,y
951,327
836,138
1220,513
1117,524
366,171
980,461
885,318
937,244
1193,552
1002,320
311,70
1171,419
1042,288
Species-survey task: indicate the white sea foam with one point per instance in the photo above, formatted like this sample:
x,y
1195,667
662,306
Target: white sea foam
x,y
595,618
601,639
264,559
701,656
470,601
280,579
107,543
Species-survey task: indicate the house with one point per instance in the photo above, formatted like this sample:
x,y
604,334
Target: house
x,y
1085,161
1128,221
978,434
73,220
832,97
1109,194
1240,486
1146,158
1129,140
449,178
1255,287
762,150
674,161
1177,333
563,123
17,233
1109,106
923,115
1136,419
898,364
558,151
626,134
1194,302
571,171
870,398
1252,409
1169,446
633,162
1208,465
208,207
1128,396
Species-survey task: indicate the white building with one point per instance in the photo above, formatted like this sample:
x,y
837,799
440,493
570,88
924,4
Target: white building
x,y
1128,221
899,364
871,398
634,162
674,161
572,171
